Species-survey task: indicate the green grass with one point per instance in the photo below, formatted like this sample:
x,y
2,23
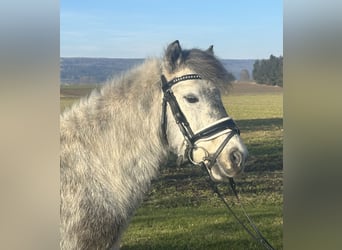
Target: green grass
x,y
196,228
254,106
181,211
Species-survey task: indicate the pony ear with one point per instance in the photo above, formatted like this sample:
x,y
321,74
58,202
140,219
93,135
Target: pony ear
x,y
210,50
173,56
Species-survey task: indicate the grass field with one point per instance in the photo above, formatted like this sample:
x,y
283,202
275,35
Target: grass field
x,y
181,211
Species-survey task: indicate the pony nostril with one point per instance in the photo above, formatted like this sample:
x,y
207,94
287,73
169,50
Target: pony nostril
x,y
236,157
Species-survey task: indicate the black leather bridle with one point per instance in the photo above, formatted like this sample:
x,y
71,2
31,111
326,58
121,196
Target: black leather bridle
x,y
190,137
214,130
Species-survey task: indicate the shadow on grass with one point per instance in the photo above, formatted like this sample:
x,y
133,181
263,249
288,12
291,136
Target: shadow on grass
x,y
265,147
263,124
261,163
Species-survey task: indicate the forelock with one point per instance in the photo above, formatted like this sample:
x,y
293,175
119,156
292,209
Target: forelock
x,y
207,66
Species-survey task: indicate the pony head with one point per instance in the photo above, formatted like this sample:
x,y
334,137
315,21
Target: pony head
x,y
198,75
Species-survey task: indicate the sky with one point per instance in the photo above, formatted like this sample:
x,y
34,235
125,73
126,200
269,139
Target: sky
x,y
238,29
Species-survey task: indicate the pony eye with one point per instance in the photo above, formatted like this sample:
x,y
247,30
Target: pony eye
x,y
191,98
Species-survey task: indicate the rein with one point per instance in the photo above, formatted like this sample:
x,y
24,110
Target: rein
x,y
253,231
214,130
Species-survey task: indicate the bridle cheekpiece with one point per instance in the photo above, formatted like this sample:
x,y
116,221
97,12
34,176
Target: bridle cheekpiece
x,y
225,125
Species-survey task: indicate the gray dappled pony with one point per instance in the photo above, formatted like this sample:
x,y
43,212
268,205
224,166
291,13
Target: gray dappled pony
x,y
112,144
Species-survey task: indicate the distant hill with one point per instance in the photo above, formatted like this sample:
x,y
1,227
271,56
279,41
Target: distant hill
x,y
82,70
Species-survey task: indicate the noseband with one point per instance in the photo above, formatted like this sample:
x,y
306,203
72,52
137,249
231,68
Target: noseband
x,y
218,128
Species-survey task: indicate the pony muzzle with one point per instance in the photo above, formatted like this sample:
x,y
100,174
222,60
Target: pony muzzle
x,y
222,151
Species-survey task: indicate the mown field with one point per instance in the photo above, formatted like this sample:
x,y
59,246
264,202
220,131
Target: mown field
x,y
181,211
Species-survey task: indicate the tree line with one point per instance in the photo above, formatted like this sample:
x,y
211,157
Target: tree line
x,y
269,71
